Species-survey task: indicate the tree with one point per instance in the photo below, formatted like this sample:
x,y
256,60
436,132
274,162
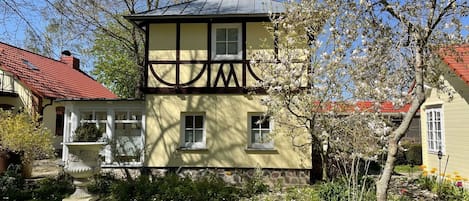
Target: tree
x,y
310,79
115,65
414,31
375,50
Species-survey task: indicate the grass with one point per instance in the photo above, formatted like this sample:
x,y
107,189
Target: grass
x,y
406,169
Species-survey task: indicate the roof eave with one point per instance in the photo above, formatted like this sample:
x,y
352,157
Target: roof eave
x,y
140,20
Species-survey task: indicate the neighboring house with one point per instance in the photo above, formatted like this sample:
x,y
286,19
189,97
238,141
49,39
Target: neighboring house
x,y
445,120
31,82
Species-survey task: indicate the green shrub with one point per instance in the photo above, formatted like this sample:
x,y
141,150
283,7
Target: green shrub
x,y
413,154
101,184
53,189
175,187
341,190
12,185
254,185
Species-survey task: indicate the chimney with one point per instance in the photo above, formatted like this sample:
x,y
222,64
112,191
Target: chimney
x,y
70,60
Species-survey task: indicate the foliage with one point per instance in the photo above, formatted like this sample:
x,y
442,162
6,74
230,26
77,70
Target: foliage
x,y
13,185
293,193
406,168
87,133
116,66
341,189
255,184
444,186
53,189
414,154
101,184
374,50
174,187
23,133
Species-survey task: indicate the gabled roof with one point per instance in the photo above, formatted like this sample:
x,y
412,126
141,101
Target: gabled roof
x,y
457,58
49,78
213,9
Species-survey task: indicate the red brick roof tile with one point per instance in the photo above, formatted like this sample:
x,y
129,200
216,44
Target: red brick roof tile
x,y
457,58
52,78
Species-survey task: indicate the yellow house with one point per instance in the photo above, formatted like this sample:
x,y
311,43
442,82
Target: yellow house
x,y
199,113
445,119
31,83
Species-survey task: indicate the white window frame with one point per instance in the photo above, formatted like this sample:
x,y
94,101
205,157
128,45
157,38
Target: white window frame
x,y
72,119
432,132
193,145
214,42
129,120
94,120
255,145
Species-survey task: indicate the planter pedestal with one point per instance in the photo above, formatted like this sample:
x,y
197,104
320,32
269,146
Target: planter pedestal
x,y
82,164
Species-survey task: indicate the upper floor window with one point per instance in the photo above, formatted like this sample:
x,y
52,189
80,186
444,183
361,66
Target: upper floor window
x,y
193,131
260,128
226,41
435,132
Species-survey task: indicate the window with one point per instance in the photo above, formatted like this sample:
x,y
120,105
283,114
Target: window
x,y
226,41
435,133
260,127
193,131
59,121
98,118
127,140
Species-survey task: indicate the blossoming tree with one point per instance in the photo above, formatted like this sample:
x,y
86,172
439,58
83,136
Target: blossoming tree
x,y
330,54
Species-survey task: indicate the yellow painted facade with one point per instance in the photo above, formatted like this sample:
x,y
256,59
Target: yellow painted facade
x,y
227,135
227,116
455,124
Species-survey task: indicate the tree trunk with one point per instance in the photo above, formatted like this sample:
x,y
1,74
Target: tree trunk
x,y
417,100
318,163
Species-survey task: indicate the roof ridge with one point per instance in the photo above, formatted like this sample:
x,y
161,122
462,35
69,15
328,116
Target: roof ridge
x,y
165,7
29,51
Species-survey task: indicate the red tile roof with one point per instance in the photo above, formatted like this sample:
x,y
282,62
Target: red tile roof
x,y
386,107
52,78
457,58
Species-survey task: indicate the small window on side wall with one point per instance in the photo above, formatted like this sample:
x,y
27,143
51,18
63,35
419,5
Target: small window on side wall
x,y
193,131
435,129
226,41
260,128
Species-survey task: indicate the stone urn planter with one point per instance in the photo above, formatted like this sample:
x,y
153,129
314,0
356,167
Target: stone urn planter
x,y
83,162
83,159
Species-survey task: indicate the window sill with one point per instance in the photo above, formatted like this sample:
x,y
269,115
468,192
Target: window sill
x,y
130,165
188,149
436,153
261,150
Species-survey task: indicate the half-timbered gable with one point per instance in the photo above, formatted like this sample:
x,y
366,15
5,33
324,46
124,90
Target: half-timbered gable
x,y
199,109
205,46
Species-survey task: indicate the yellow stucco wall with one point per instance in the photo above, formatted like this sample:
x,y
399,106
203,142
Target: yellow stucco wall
x,y
193,41
258,38
226,134
455,125
162,42
49,118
